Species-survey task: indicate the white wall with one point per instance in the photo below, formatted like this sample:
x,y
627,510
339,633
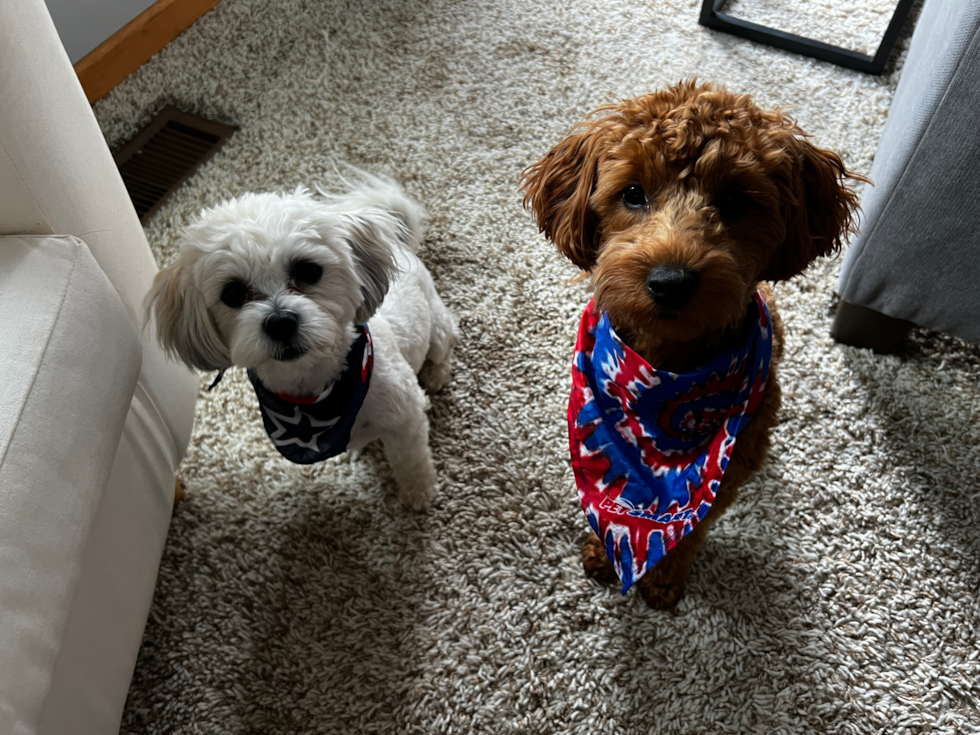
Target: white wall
x,y
84,24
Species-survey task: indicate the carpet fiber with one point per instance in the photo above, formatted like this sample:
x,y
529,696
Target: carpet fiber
x,y
837,596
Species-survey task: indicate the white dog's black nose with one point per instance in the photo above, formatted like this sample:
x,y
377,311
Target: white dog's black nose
x,y
281,326
672,286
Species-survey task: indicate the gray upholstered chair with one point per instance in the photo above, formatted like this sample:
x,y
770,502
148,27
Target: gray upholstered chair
x,y
917,259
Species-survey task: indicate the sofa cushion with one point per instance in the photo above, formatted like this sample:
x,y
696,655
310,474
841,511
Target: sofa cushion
x,y
70,358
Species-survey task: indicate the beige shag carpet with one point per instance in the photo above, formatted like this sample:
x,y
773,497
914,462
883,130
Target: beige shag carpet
x,y
838,596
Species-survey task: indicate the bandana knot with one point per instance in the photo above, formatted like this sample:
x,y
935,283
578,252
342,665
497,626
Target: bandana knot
x,y
650,447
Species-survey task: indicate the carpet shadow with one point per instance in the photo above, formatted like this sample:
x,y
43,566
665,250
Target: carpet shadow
x,y
285,611
919,414
334,644
727,632
753,620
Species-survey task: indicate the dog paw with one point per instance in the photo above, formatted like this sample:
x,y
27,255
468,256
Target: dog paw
x,y
596,563
434,376
417,487
416,496
661,594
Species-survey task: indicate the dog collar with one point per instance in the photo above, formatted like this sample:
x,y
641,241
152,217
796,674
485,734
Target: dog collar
x,y
649,447
308,430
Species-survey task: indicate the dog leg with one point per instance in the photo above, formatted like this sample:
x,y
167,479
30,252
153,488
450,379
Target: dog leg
x,y
596,563
178,492
661,587
437,371
407,449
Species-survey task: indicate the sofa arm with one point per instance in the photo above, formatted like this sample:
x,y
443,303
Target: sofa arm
x,y
56,172
70,358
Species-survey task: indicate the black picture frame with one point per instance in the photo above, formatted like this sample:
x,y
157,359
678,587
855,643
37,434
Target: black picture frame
x,y
712,17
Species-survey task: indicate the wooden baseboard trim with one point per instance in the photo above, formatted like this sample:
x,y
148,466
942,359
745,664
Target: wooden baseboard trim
x,y
133,45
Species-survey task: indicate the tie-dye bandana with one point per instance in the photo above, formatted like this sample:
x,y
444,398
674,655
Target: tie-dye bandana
x,y
649,447
308,430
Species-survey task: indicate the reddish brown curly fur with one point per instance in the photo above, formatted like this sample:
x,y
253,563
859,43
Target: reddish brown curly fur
x,y
734,193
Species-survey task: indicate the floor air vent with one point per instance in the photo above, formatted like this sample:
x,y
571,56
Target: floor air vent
x,y
165,153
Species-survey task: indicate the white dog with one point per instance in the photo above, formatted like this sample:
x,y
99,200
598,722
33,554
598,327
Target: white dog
x,y
281,284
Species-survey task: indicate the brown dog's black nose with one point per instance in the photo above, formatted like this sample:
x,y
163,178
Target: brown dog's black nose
x,y
281,326
672,286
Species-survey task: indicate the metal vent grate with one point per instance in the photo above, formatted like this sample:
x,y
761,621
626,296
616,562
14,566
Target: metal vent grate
x,y
165,153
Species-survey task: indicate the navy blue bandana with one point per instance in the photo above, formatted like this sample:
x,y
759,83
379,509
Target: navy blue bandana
x,y
308,430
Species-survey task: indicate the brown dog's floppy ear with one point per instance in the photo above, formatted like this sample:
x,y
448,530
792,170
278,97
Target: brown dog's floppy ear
x,y
821,214
557,190
184,325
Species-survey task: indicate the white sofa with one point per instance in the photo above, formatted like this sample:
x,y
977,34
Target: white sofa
x,y
93,419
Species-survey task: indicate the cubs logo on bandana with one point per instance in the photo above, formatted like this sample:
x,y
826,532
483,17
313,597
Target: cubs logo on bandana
x,y
308,430
649,447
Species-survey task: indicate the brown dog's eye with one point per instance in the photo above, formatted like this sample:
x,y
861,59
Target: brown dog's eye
x,y
306,273
234,294
732,203
634,197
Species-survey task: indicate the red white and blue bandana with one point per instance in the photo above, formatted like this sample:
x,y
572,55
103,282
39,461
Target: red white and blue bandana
x,y
308,430
649,447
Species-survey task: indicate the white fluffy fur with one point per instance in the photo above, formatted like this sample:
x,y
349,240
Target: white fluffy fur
x,y
365,241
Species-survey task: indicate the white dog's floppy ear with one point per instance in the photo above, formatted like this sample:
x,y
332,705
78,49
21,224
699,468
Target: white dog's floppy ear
x,y
185,327
373,235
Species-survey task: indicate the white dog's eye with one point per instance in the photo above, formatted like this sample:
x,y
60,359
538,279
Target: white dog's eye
x,y
634,197
306,273
234,294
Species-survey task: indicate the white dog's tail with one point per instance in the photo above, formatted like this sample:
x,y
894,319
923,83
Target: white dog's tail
x,y
381,192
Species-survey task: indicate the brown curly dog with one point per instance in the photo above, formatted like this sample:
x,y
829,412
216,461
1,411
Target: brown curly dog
x,y
678,204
